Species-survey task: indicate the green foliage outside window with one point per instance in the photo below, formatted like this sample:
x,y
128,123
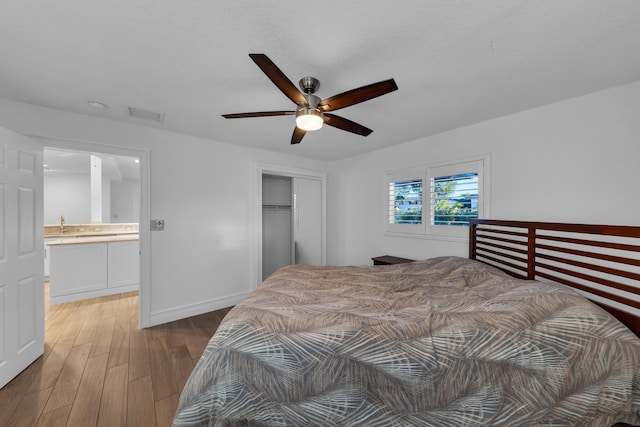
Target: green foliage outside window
x,y
407,192
450,210
413,215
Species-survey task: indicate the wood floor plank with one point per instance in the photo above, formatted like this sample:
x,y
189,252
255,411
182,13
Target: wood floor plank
x,y
119,351
57,418
86,406
195,339
30,408
123,309
60,322
134,317
90,326
53,364
140,405
175,337
108,308
104,335
53,333
66,388
166,409
10,397
75,320
139,364
158,331
182,364
164,383
59,313
113,406
212,319
100,369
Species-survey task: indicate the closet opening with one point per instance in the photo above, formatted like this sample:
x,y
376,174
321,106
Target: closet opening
x,y
278,247
289,218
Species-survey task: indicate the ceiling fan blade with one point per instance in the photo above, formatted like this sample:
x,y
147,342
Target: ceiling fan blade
x,y
358,95
258,114
346,124
278,78
297,136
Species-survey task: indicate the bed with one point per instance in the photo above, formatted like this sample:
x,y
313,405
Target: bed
x,y
506,337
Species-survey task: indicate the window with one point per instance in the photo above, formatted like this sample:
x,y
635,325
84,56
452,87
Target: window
x,y
404,202
438,200
455,199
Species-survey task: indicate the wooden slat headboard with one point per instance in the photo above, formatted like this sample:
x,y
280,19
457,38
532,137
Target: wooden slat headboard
x,y
601,261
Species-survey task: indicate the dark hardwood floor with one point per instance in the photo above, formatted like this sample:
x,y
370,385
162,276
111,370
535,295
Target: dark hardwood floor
x,y
100,369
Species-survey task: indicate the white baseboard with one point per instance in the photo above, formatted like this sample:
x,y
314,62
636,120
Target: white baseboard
x,y
177,313
102,292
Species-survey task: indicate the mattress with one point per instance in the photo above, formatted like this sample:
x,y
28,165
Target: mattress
x,y
442,342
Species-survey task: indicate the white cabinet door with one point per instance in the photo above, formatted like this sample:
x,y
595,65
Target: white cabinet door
x,y
307,221
21,254
47,253
76,269
124,264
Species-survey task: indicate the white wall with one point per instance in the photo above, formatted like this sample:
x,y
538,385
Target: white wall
x,y
68,195
125,201
573,161
199,187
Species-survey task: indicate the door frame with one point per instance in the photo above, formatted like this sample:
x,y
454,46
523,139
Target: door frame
x,y
144,299
278,170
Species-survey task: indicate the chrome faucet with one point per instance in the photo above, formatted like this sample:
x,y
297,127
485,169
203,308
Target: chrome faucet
x,y
61,224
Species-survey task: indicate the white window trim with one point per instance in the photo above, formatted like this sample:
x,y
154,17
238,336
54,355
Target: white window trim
x,y
441,232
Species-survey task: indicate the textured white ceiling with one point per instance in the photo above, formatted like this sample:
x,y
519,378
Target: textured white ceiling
x,y
455,62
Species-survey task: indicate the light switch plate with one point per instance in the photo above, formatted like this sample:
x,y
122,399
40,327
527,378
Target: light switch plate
x,y
157,224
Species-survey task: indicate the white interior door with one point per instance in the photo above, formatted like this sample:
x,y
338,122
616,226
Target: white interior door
x,y
307,221
21,254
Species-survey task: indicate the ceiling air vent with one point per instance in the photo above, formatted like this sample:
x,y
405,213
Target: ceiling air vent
x,y
145,114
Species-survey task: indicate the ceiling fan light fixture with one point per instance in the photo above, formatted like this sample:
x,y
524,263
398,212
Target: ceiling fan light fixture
x,y
310,109
309,118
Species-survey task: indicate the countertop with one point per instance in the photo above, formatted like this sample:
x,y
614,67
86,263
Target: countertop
x,y
80,240
90,230
91,234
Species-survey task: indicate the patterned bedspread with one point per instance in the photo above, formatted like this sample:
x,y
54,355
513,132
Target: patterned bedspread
x,y
442,342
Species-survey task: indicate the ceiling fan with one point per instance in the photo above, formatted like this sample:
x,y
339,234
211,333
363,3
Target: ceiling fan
x,y
311,112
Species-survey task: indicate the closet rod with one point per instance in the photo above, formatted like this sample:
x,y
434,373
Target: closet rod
x,y
276,207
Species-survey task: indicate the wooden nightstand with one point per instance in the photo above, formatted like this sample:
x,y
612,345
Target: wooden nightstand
x,y
388,260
